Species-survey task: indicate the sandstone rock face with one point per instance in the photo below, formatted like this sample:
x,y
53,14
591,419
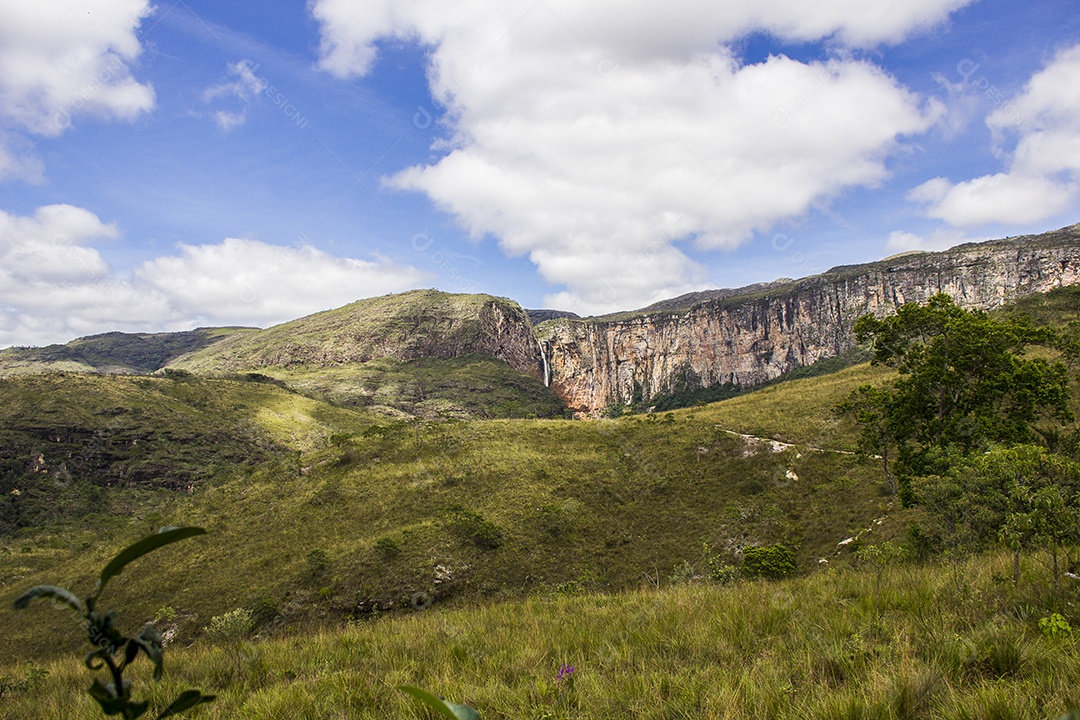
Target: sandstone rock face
x,y
749,339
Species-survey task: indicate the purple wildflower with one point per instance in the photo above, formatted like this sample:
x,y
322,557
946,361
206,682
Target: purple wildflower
x,y
565,671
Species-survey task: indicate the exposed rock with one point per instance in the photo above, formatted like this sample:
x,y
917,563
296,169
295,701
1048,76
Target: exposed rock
x,y
751,338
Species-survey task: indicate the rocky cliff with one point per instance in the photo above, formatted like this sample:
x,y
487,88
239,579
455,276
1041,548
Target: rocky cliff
x,y
754,337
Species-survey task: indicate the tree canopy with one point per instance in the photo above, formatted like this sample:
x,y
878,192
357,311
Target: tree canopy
x,y
965,383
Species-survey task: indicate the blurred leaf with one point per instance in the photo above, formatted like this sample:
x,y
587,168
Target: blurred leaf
x,y
106,697
95,655
444,708
184,701
149,543
49,591
150,641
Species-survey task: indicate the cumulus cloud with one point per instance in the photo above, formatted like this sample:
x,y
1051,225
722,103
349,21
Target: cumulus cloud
x,y
63,58
592,135
56,284
1043,176
250,282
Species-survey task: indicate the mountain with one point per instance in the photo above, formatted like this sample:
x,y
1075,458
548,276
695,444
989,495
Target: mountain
x,y
424,353
436,355
112,352
749,337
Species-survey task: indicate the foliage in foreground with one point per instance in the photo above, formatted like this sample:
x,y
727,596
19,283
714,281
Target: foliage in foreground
x,y
115,697
925,643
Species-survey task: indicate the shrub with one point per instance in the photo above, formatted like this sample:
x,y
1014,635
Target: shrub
x,y
1055,626
232,626
387,549
263,610
683,573
774,561
474,527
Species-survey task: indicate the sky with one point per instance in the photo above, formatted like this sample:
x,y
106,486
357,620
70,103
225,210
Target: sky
x,y
194,163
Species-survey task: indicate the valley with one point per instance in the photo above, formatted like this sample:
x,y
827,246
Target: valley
x,y
393,494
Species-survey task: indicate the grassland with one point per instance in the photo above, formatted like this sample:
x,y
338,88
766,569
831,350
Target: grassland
x,y
572,506
923,642
476,558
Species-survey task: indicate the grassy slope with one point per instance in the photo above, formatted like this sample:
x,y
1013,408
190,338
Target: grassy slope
x,y
470,387
420,323
413,353
591,506
111,352
832,645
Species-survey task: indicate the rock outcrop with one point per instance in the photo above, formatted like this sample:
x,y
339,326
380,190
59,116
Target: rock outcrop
x,y
755,337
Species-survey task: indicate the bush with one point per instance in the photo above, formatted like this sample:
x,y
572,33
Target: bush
x,y
774,561
1055,626
263,610
387,549
232,626
474,527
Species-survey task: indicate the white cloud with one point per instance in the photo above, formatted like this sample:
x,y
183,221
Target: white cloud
x,y
243,86
63,58
226,120
250,282
590,135
1043,177
56,285
940,239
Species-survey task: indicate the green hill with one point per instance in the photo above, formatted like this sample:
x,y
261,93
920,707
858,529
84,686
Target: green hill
x,y
460,511
113,352
423,353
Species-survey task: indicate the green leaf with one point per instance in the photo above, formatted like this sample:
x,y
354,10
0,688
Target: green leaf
x,y
446,709
135,709
149,543
184,701
150,641
49,591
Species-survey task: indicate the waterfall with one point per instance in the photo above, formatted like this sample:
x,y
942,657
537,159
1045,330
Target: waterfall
x,y
547,370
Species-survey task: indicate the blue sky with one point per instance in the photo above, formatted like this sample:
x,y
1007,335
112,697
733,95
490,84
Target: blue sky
x,y
199,163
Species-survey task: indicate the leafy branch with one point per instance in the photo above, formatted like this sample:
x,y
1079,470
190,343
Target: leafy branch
x,y
112,650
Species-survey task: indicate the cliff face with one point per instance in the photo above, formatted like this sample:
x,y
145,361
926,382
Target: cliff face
x,y
752,338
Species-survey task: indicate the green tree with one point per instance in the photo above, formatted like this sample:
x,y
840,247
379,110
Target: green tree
x,y
870,406
1024,497
965,383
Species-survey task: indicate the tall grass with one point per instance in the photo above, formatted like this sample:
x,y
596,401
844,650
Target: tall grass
x,y
814,647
